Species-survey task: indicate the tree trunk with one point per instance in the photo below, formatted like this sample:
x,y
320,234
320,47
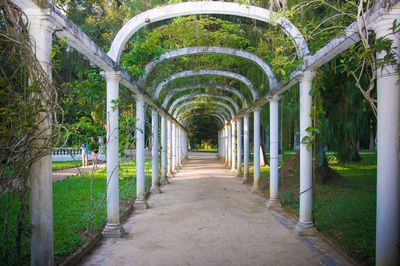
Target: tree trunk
x,y
371,140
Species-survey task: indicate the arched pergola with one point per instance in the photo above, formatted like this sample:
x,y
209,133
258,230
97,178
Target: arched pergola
x,y
205,110
212,102
273,81
380,19
187,118
206,7
222,87
202,72
202,95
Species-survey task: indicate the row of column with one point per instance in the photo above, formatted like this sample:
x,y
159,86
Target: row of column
x,y
230,151
173,152
388,166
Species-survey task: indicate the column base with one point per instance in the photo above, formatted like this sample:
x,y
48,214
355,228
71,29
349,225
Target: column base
x,y
274,204
239,175
113,231
256,189
233,171
305,229
141,204
155,190
245,181
170,175
163,180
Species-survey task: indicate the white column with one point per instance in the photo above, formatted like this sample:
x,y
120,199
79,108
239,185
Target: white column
x,y
388,145
274,152
219,144
113,227
154,153
186,145
169,150
173,147
256,162
180,147
239,147
140,154
305,225
234,157
246,147
177,147
229,145
163,179
226,144
41,206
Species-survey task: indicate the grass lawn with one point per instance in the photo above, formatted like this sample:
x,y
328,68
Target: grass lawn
x,y
78,206
65,165
205,150
344,210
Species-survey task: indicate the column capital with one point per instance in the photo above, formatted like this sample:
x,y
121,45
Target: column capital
x,y
274,98
306,75
257,109
383,25
111,75
139,97
40,19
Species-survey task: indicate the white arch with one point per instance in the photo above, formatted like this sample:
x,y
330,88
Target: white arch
x,y
222,112
207,110
185,119
197,95
273,82
206,7
204,85
222,104
201,72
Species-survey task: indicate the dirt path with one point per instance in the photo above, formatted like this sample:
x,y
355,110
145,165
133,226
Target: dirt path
x,y
65,173
207,217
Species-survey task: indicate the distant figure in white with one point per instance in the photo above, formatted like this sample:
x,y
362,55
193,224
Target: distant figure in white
x,y
94,155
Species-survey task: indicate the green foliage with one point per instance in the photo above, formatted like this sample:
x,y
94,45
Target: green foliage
x,y
73,223
65,165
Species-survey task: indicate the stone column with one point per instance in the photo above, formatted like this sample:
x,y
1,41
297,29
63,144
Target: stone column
x,y
163,179
239,147
140,202
274,153
169,166
185,142
41,206
246,148
234,157
219,144
154,153
177,147
226,144
305,225
221,134
256,162
229,145
113,227
388,149
180,147
173,147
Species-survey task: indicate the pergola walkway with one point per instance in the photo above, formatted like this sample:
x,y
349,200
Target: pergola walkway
x,y
207,217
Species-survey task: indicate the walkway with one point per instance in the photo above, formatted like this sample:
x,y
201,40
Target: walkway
x,y
65,173
207,217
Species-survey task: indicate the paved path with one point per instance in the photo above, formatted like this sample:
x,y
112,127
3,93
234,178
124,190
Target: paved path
x,y
65,173
207,217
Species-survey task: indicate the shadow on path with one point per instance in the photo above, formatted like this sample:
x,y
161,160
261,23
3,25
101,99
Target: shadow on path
x,y
207,217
